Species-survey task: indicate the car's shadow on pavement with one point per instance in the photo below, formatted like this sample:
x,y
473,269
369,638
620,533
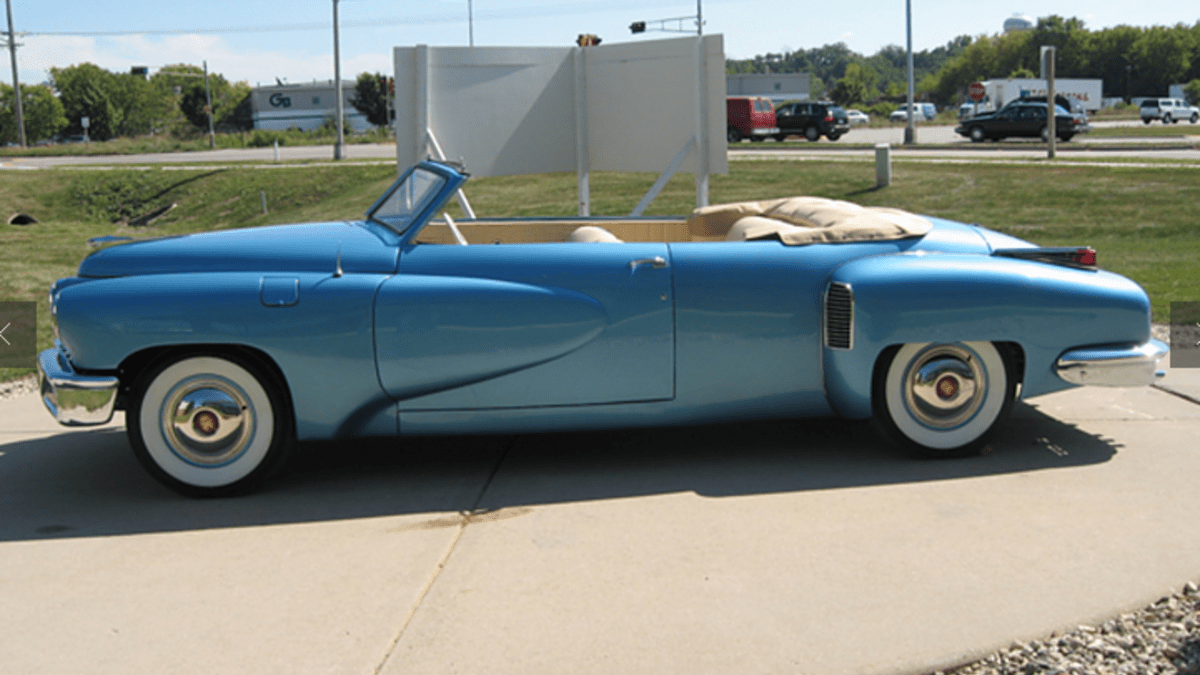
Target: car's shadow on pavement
x,y
87,483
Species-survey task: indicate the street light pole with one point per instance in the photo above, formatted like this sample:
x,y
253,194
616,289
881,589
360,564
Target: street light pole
x,y
212,135
12,50
910,132
339,147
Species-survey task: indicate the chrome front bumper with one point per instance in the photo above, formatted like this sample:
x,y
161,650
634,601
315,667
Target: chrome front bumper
x,y
74,400
1132,366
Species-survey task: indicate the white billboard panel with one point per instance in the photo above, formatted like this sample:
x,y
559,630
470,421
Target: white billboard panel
x,y
516,110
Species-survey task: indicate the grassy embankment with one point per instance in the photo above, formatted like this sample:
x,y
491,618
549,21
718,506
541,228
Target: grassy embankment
x,y
1142,220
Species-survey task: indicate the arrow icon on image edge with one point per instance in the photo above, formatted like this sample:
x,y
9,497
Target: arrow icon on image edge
x,y
2,334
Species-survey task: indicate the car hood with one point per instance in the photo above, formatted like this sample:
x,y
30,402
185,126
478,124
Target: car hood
x,y
316,247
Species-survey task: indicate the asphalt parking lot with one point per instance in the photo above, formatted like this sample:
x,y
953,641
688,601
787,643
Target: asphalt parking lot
x,y
803,547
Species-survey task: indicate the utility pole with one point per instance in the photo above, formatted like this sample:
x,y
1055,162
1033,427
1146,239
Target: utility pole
x,y
12,51
338,147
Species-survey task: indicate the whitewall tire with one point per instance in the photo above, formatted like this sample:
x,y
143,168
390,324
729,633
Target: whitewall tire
x,y
943,399
208,425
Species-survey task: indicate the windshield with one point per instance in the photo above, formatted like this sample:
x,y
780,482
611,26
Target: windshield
x,y
399,207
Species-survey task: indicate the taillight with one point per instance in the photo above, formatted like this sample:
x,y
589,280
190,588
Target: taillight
x,y
828,117
1084,256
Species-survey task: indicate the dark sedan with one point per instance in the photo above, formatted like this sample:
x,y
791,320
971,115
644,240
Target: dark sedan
x,y
1021,118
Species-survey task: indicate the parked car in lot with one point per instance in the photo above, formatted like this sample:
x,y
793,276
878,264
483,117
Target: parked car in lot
x,y
857,117
750,117
1022,118
812,119
1169,110
921,111
224,348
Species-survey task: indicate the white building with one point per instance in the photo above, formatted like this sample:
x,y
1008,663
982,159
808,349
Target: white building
x,y
303,106
778,87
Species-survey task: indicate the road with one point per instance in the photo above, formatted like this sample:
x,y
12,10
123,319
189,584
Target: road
x,y
926,136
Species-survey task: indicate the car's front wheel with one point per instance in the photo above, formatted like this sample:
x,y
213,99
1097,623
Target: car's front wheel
x,y
1167,118
977,135
209,425
942,399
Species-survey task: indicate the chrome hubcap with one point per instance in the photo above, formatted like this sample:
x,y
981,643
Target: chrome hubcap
x,y
207,421
945,387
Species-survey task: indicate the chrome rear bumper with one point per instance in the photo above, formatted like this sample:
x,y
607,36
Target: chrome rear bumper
x,y
1128,366
75,400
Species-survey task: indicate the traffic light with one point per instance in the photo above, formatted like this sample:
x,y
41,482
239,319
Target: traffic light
x,y
637,27
587,40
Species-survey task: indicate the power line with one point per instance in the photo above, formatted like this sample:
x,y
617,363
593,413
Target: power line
x,y
431,19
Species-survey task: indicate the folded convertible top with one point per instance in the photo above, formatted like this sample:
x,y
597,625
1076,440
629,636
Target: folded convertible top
x,y
806,220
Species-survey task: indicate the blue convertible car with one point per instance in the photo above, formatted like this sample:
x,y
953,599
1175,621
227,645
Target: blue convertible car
x,y
225,348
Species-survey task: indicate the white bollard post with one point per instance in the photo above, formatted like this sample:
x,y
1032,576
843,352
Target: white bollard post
x,y
883,165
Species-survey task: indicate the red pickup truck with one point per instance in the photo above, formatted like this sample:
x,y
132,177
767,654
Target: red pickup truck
x,y
750,117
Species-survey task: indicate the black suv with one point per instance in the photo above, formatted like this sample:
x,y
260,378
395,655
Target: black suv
x,y
812,120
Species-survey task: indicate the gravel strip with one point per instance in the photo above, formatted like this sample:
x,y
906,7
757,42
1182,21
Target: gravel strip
x,y
1162,639
19,387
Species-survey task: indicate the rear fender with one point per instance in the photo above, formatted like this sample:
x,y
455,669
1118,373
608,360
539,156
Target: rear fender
x,y
930,297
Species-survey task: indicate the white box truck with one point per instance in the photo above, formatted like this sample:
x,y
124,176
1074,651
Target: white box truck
x,y
1087,92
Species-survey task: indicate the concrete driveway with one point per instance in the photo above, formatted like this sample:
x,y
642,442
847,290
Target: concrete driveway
x,y
804,547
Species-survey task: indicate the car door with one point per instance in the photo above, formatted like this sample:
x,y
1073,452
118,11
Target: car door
x,y
785,117
523,325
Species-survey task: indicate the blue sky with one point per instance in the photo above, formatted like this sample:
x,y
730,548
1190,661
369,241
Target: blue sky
x,y
260,40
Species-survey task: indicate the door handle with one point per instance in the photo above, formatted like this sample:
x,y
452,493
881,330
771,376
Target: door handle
x,y
657,262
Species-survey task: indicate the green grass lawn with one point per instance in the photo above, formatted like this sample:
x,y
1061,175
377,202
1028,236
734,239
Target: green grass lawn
x,y
1142,220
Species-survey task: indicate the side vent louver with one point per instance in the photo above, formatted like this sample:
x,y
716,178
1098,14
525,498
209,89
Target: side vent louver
x,y
839,316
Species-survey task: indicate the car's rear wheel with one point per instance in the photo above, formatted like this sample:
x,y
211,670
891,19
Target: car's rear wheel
x,y
209,425
1147,120
733,135
942,399
812,134
977,135
1045,134
1065,137
834,137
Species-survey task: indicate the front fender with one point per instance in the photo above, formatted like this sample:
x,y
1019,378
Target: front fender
x,y
931,297
317,328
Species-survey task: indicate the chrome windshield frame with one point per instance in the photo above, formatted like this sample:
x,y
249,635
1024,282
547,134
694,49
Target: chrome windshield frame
x,y
446,180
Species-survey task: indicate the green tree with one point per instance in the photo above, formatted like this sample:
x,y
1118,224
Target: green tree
x,y
84,92
186,83
856,86
41,109
371,98
1192,91
142,107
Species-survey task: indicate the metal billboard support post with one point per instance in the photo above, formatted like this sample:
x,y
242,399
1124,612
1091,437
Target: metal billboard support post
x,y
582,158
701,119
